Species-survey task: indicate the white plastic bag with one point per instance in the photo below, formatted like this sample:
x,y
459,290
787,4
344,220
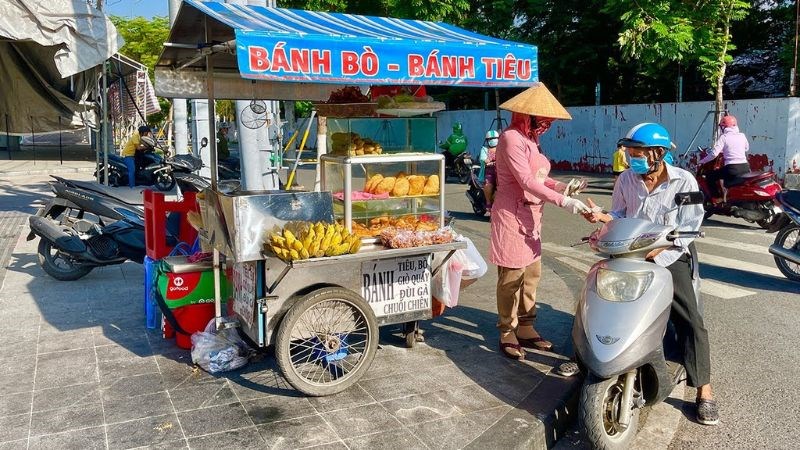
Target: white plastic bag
x,y
474,266
219,351
447,283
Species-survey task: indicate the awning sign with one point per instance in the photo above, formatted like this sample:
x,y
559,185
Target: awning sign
x,y
328,61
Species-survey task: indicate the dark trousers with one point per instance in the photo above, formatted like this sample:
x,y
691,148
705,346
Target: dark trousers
x,y
688,323
728,173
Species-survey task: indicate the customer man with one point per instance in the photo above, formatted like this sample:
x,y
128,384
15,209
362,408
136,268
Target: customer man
x,y
646,191
134,145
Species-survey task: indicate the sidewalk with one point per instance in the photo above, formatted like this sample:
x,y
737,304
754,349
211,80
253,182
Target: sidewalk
x,y
79,370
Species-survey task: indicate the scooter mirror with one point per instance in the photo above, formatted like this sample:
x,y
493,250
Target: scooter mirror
x,y
689,198
204,142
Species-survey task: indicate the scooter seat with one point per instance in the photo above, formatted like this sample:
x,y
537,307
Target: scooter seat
x,y
791,198
749,177
122,193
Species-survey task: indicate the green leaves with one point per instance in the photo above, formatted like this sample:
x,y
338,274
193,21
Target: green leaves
x,y
144,38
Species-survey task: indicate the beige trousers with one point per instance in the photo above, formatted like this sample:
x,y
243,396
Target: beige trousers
x,y
516,296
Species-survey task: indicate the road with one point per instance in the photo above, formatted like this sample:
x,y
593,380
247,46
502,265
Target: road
x,y
751,314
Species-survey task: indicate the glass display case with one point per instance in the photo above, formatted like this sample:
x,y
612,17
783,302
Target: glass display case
x,y
373,136
404,190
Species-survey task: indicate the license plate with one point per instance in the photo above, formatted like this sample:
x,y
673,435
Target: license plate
x,y
397,285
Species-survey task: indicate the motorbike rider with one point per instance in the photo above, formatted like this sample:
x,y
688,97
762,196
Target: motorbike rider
x,y
734,145
131,148
455,145
488,173
646,191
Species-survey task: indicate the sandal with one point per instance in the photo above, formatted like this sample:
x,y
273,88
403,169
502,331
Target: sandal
x,y
539,343
707,412
517,347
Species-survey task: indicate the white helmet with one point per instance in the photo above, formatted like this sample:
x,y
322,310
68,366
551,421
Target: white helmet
x,y
492,138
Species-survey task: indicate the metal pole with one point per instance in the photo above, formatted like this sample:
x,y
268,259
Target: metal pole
x,y
60,146
793,85
104,122
497,108
212,145
33,139
8,139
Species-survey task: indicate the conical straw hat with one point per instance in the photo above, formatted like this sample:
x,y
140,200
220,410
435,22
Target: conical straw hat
x,y
536,101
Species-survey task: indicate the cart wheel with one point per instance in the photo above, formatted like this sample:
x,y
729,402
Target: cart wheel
x,y
327,341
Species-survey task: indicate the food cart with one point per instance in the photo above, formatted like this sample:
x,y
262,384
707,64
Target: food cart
x,y
322,309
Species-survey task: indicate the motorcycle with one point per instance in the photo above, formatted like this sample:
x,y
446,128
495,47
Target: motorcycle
x,y
475,192
620,329
151,169
750,197
786,247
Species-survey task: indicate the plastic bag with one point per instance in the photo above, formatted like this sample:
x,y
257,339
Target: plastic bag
x,y
474,266
219,351
447,283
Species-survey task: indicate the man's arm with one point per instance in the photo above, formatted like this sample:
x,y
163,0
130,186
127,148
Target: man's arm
x,y
715,150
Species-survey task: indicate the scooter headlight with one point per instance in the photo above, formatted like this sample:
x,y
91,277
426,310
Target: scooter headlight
x,y
622,286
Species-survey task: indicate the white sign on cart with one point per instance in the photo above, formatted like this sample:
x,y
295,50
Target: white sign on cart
x,y
398,285
244,291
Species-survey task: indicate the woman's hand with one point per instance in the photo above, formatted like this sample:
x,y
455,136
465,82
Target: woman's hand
x,y
653,253
596,213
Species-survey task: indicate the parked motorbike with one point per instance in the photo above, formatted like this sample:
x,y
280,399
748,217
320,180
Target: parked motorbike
x,y
151,169
786,247
620,329
475,192
750,197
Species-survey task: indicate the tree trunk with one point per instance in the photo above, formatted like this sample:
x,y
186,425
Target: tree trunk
x,y
721,79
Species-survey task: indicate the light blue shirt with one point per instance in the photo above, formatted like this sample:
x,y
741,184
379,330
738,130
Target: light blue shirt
x,y
631,199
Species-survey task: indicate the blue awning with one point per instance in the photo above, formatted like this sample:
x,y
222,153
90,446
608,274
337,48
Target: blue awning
x,y
290,45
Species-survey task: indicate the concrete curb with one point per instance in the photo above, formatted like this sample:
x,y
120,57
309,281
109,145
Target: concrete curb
x,y
662,422
57,170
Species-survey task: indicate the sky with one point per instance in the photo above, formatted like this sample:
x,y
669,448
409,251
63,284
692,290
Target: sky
x,y
134,8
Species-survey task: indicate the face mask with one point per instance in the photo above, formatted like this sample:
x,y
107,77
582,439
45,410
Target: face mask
x,y
492,142
639,165
669,159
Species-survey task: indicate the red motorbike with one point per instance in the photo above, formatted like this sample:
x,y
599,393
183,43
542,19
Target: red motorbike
x,y
749,197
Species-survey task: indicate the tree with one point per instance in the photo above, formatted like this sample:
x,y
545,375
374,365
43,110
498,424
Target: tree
x,y
661,31
144,38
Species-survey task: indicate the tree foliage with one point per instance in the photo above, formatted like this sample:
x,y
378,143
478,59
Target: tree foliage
x,y
144,38
663,31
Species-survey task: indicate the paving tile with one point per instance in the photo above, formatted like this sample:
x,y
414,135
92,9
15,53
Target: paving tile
x,y
65,419
139,407
421,408
156,430
68,340
338,445
136,385
18,346
457,431
400,385
202,396
21,444
117,352
13,428
13,404
353,396
361,420
120,368
297,433
106,335
178,371
400,439
63,397
263,384
15,383
85,439
277,407
66,368
244,438
217,418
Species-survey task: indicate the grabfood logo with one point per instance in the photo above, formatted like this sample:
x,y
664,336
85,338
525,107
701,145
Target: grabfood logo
x,y
181,284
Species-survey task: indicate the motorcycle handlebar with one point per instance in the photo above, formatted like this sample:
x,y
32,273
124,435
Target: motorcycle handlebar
x,y
685,234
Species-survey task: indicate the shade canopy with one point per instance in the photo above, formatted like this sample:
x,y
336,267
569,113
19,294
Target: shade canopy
x,y
309,47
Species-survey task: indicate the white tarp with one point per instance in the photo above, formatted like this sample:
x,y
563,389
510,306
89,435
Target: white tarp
x,y
79,36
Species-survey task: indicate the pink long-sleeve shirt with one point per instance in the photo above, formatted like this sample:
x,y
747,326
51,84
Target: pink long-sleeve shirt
x,y
733,145
523,186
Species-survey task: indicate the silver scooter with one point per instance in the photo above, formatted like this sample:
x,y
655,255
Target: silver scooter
x,y
620,327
